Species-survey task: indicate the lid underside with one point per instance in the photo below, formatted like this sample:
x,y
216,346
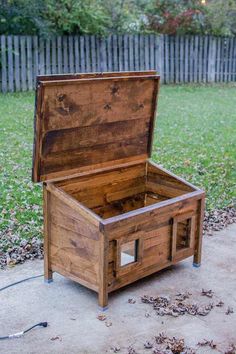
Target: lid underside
x,y
85,122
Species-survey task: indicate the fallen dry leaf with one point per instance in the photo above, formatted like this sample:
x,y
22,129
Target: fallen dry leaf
x,y
208,293
183,296
231,349
168,345
229,310
161,338
108,323
148,345
218,219
209,343
163,306
55,338
131,350
115,349
131,301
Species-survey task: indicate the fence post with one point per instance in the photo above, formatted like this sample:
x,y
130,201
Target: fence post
x,y
212,59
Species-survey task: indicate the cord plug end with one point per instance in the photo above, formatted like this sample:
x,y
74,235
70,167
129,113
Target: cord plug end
x,y
44,324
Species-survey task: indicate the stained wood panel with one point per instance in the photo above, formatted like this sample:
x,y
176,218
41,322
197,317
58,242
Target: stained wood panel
x,y
125,189
74,242
159,214
89,121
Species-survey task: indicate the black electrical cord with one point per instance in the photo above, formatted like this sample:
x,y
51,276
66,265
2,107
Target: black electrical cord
x,y
40,324
20,334
20,281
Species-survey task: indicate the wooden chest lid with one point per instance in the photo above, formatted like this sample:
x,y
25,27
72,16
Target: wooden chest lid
x,y
84,122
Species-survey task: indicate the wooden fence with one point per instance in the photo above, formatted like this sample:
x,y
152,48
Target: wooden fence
x,y
178,59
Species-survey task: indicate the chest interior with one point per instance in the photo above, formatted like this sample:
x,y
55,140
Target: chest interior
x,y
122,190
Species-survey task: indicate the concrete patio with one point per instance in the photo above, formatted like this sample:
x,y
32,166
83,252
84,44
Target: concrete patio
x,y
71,310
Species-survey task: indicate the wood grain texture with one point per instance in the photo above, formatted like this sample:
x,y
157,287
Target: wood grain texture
x,y
199,225
47,234
88,121
74,242
86,247
118,202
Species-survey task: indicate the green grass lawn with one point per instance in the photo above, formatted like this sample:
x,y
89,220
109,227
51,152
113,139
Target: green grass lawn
x,y
195,137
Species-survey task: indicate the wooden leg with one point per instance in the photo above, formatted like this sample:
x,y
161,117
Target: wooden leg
x,y
103,272
198,245
47,275
103,300
47,268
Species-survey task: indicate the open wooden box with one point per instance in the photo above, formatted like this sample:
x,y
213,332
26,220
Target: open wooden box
x,y
111,216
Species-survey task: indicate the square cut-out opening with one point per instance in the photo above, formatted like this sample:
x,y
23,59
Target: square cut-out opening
x,y
128,253
183,234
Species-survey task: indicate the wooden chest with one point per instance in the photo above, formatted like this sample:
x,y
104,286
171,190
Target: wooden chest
x,y
111,216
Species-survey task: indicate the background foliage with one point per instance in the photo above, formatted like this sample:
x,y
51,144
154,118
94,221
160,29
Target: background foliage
x,y
50,17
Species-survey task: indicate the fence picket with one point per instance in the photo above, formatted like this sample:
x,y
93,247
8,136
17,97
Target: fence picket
x,y
59,54
211,59
103,57
167,66
4,63
71,54
172,59
126,53
131,52
16,63
177,58
10,63
98,54
217,63
87,54
136,51
23,63
234,61
181,56
221,61
161,56
82,56
29,62
146,53
54,56
231,59
191,59
205,61
200,62
195,58
65,54
93,54
141,52
109,56
152,57
41,57
48,56
120,52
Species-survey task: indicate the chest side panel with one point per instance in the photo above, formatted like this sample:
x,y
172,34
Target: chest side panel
x,y
74,243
